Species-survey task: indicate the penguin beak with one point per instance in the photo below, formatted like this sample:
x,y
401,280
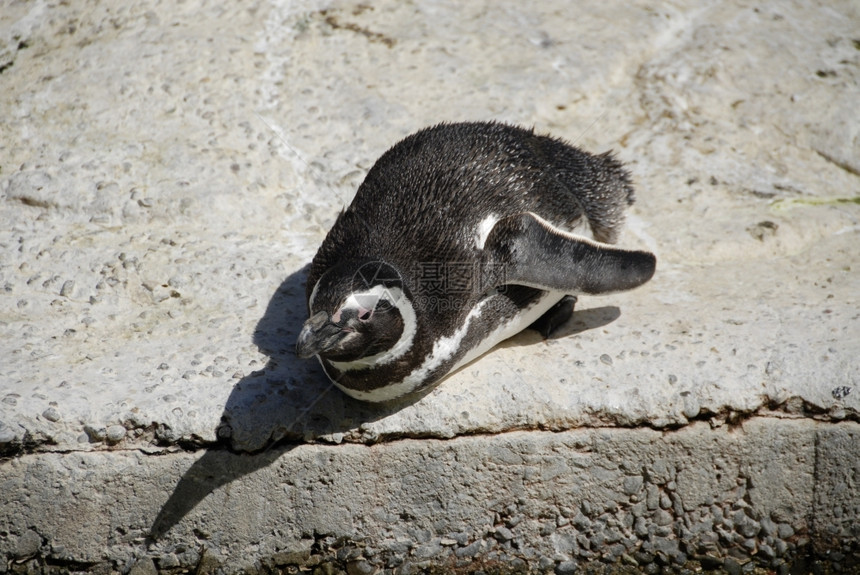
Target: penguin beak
x,y
319,334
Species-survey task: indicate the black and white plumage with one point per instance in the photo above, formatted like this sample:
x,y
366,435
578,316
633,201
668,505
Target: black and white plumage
x,y
460,236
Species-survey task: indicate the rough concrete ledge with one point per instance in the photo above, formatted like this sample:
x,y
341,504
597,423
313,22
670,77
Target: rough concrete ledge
x,y
767,493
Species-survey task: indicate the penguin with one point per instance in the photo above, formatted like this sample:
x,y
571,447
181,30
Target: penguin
x,y
460,236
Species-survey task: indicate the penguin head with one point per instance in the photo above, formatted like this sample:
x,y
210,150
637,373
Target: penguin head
x,y
358,311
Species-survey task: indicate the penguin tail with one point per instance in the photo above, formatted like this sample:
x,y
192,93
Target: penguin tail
x,y
599,185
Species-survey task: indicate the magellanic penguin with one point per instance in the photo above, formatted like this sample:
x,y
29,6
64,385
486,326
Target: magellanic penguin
x,y
460,236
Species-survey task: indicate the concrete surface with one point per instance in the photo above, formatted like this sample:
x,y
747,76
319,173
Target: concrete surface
x,y
636,496
168,170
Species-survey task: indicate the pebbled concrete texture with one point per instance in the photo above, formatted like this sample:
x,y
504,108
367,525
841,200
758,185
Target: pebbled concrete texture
x,y
524,499
167,171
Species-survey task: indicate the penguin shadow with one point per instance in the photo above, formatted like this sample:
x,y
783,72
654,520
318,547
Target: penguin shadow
x,y
287,403
290,402
585,320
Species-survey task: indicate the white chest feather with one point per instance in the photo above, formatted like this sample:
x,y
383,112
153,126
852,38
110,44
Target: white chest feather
x,y
484,228
517,324
447,347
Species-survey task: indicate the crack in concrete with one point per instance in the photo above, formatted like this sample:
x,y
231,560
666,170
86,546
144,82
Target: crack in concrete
x,y
10,59
792,408
838,163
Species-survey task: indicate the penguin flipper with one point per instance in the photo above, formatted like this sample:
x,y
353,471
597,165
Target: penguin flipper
x,y
527,250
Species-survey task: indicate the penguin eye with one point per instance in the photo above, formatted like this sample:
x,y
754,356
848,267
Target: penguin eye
x,y
365,315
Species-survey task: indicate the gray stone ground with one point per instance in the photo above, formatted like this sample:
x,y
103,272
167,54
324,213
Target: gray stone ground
x,y
168,169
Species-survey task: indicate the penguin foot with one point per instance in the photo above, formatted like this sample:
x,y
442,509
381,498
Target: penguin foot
x,y
555,316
